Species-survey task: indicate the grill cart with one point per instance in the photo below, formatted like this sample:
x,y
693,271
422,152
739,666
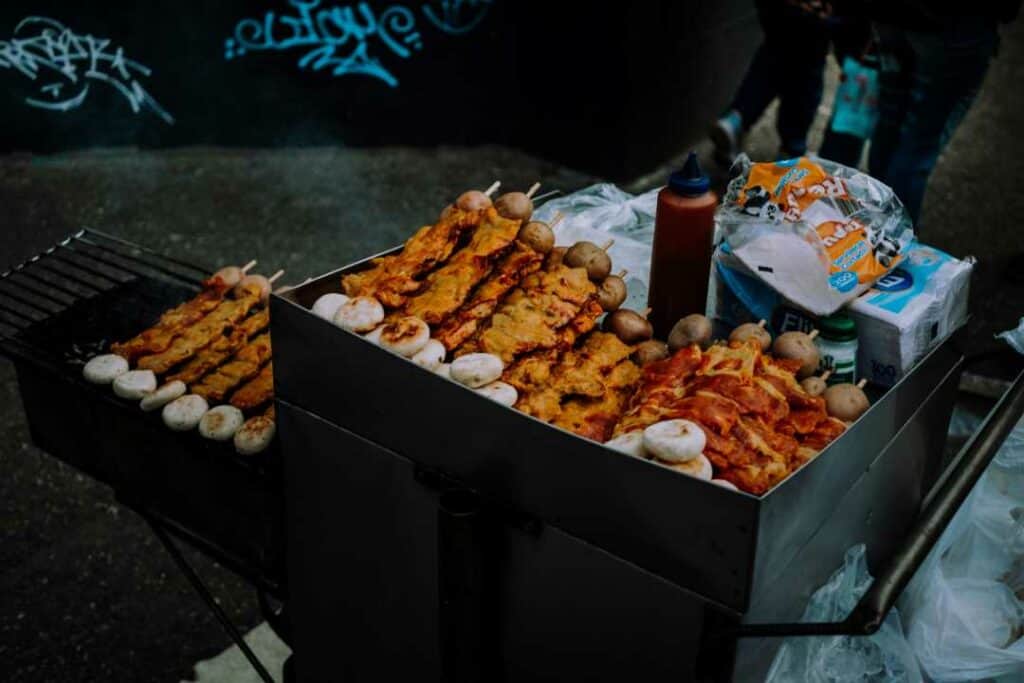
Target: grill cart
x,y
439,535
434,534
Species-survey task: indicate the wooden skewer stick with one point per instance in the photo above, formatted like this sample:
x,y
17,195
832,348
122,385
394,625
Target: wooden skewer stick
x,y
533,190
559,216
860,384
248,266
608,245
493,188
812,334
287,288
825,375
276,276
762,322
622,274
646,312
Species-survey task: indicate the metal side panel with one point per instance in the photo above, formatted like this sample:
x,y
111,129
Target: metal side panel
x,y
695,534
363,558
794,511
878,510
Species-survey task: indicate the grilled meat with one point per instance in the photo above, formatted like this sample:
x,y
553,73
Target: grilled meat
x,y
158,338
393,278
243,366
221,348
448,287
256,391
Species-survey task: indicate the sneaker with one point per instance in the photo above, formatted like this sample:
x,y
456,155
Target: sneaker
x,y
725,135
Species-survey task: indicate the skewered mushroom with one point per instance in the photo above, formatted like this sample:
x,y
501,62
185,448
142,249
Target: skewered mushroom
x,y
516,205
105,368
754,331
185,412
801,347
674,440
537,235
612,292
476,369
221,422
162,396
473,200
359,314
629,326
255,435
405,336
327,305
135,384
816,386
650,351
725,484
232,275
693,329
630,443
846,402
501,392
265,284
590,256
431,356
699,467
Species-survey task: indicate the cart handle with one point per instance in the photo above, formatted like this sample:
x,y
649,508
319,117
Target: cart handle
x,y
941,505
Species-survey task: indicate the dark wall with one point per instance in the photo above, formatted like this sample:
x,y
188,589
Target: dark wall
x,y
607,88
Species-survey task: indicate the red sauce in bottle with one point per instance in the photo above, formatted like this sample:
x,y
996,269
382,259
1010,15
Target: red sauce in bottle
x,y
684,229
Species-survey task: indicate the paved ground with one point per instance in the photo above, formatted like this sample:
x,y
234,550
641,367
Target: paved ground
x,y
87,594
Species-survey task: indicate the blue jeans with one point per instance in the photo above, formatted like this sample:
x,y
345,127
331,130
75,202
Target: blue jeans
x,y
927,83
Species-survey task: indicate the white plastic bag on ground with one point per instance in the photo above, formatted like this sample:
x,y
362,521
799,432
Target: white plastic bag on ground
x,y
1015,337
884,656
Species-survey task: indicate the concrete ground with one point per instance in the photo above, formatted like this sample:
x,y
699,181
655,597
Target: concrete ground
x,y
86,593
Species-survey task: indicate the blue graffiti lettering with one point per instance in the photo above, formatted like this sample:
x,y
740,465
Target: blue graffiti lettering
x,y
338,38
45,46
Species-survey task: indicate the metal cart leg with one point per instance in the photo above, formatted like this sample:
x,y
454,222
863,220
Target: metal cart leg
x,y
207,596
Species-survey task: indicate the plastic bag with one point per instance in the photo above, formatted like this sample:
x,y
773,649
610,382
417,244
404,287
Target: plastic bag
x,y
884,656
1015,337
600,213
819,233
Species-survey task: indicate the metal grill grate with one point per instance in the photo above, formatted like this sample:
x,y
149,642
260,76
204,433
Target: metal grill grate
x,y
79,268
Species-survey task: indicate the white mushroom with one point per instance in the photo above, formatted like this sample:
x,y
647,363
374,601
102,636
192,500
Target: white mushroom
x,y
725,484
162,396
445,370
359,314
476,369
431,356
135,384
327,305
501,392
221,423
255,435
699,467
405,336
630,443
373,336
674,440
185,412
104,369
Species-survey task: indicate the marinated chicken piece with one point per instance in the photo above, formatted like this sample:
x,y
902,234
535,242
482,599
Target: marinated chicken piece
x,y
393,278
448,287
509,272
244,365
196,337
222,348
532,315
256,391
158,338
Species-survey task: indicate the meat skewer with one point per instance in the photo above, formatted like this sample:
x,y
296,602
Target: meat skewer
x,y
243,366
508,273
221,349
256,391
448,287
394,277
196,337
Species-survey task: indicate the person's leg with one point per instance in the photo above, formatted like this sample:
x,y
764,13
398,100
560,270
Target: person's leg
x,y
850,37
948,70
895,64
800,85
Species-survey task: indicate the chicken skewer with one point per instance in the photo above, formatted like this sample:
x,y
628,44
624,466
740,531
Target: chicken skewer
x,y
256,391
221,349
243,366
196,337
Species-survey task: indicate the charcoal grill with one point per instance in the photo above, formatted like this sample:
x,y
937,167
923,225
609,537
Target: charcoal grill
x,y
439,535
61,307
